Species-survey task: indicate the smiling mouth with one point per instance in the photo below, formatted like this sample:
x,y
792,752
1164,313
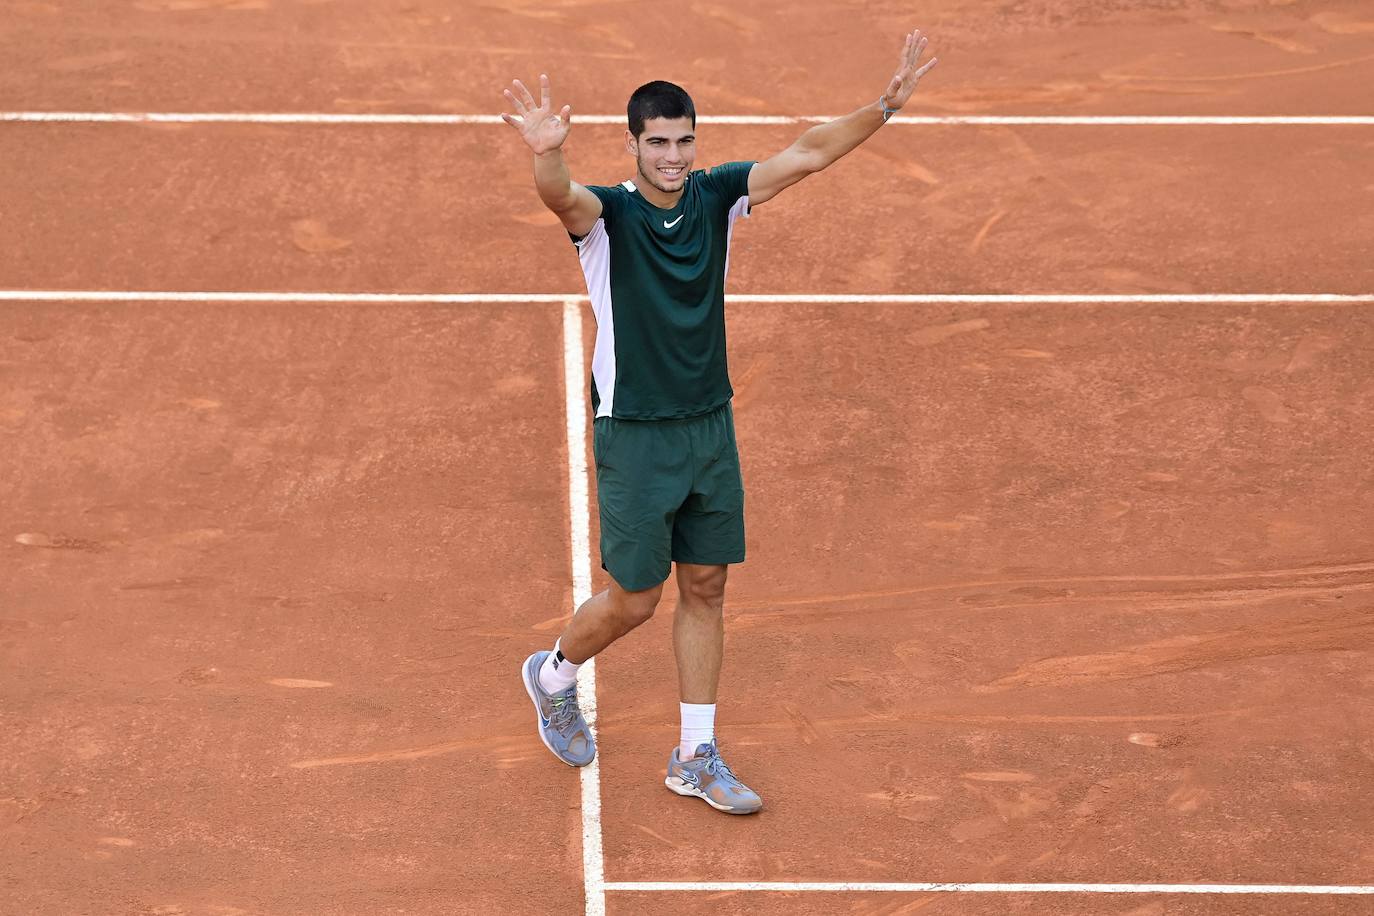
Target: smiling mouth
x,y
671,173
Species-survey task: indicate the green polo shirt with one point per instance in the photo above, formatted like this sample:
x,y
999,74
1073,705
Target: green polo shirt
x,y
656,279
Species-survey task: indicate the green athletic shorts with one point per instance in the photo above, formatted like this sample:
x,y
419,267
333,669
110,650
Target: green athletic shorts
x,y
668,490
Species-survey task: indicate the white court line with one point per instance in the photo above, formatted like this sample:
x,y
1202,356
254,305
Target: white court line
x,y
593,867
866,886
1061,298
47,295
263,117
91,295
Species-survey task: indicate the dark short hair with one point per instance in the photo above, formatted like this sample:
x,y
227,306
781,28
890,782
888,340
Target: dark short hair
x,y
659,99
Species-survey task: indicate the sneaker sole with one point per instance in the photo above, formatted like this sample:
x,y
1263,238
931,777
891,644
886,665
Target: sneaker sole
x,y
686,789
538,719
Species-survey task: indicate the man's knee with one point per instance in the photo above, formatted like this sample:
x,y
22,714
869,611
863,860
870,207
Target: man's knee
x,y
637,607
702,586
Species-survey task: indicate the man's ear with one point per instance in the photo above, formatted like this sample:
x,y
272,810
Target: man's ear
x,y
631,146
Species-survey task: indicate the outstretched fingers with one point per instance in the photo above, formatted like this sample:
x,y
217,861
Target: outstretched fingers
x,y
917,50
904,80
520,109
904,58
524,93
918,47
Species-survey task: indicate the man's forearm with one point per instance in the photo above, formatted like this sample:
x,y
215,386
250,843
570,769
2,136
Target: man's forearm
x,y
552,180
831,140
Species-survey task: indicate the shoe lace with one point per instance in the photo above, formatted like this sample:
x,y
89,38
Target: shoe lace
x,y
564,711
718,767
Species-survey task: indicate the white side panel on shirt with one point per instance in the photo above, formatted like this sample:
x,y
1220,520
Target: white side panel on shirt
x,y
594,251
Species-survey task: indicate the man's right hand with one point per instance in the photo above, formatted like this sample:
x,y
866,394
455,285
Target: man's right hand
x,y
537,124
577,208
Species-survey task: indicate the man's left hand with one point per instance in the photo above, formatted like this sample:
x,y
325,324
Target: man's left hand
x,y
904,80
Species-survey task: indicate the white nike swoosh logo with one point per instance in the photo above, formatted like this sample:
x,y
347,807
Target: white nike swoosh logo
x,y
668,225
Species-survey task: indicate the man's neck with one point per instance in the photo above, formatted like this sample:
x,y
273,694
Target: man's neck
x,y
661,199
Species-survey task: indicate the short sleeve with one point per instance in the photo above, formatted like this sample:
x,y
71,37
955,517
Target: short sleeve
x,y
731,181
609,197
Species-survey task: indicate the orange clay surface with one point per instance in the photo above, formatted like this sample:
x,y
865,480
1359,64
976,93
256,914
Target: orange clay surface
x,y
1034,593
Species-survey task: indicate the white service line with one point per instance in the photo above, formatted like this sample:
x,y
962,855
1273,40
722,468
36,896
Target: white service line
x,y
48,295
91,295
574,381
267,117
870,886
1060,298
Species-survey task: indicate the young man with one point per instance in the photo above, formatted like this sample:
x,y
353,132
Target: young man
x,y
654,251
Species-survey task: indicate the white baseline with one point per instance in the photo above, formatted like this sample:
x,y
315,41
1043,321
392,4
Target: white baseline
x,y
86,295
322,118
868,886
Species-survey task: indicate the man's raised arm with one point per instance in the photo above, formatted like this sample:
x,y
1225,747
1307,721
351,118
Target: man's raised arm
x,y
824,143
544,132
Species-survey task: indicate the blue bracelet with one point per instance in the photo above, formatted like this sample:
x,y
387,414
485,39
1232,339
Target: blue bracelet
x,y
887,112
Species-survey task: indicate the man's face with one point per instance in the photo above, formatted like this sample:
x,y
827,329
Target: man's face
x,y
665,152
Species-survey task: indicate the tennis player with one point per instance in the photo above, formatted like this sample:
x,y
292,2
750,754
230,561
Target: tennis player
x,y
654,250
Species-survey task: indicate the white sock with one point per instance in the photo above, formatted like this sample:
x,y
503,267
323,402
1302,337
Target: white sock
x,y
557,673
698,727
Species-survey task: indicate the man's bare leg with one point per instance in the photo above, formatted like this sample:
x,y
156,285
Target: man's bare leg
x,y
550,677
699,631
604,618
699,643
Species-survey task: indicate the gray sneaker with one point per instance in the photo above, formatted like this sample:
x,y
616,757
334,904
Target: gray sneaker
x,y
561,725
707,777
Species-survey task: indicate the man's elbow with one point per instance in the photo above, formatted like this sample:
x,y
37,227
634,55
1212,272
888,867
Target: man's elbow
x,y
807,159
810,160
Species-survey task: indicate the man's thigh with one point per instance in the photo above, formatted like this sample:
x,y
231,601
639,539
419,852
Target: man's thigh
x,y
642,477
709,527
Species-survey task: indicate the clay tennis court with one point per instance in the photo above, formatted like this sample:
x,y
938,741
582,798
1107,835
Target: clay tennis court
x,y
1056,605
